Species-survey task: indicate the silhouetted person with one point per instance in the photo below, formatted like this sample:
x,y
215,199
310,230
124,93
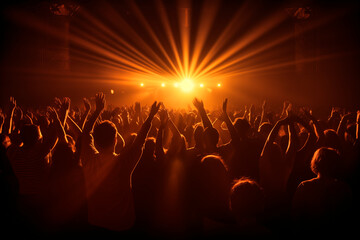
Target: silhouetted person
x,y
323,203
107,174
247,203
31,164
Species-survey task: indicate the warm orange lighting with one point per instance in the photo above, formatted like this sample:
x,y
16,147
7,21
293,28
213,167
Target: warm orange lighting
x,y
176,85
141,84
162,84
219,84
112,91
187,85
201,85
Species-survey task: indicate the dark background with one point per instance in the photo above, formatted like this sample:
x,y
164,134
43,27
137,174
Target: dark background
x,y
36,66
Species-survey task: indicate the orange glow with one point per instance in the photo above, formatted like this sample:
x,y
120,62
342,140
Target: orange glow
x,y
187,85
184,48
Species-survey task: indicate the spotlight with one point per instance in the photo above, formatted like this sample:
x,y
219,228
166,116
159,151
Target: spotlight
x,y
163,85
219,84
141,84
187,85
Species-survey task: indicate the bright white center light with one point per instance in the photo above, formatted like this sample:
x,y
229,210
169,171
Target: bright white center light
x,y
187,85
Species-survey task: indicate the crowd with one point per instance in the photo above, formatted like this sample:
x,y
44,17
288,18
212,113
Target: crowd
x,y
159,172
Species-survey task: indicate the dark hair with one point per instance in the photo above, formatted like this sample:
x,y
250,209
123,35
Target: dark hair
x,y
242,126
210,136
327,162
246,198
30,134
105,135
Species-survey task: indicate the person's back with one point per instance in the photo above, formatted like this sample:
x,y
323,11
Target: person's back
x,y
67,200
107,174
324,201
30,165
107,177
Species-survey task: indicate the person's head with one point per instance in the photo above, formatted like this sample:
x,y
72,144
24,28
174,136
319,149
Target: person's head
x,y
264,130
214,184
177,146
198,135
246,199
30,134
274,152
210,138
105,136
350,133
5,140
149,147
63,156
332,140
242,127
326,162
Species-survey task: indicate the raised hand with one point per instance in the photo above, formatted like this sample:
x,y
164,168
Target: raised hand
x,y
87,104
137,108
100,101
198,103
12,103
164,117
225,105
154,108
53,114
66,104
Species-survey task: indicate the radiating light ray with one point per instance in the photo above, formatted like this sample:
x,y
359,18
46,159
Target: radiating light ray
x,y
145,22
166,22
267,25
184,19
222,68
126,44
207,18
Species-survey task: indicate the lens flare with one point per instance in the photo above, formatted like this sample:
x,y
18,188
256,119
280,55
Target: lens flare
x,y
187,85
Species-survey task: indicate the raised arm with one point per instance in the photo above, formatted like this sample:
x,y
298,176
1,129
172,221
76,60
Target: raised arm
x,y
60,132
9,116
342,125
140,138
357,125
293,142
100,105
136,147
201,110
86,113
74,129
234,136
159,149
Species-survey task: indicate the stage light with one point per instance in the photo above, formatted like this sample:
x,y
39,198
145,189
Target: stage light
x,y
201,85
141,84
162,84
219,84
112,91
187,85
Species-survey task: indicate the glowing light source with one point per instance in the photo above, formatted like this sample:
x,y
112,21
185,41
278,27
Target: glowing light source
x,y
187,85
219,84
176,85
141,84
162,84
112,91
201,85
